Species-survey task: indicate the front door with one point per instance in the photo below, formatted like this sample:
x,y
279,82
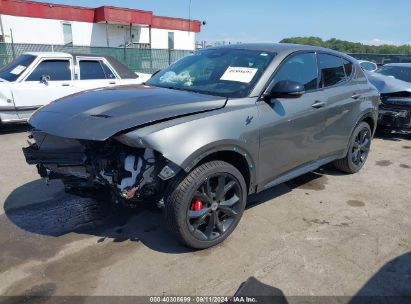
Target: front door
x,y
51,79
292,128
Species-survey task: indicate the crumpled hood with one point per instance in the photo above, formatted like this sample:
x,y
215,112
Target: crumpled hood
x,y
100,114
386,84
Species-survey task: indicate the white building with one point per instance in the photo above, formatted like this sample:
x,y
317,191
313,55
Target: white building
x,y
46,23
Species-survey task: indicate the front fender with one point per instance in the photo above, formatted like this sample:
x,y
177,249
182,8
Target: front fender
x,y
6,95
7,108
187,140
220,146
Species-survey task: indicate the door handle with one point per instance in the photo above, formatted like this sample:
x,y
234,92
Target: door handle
x,y
318,104
356,96
112,82
65,84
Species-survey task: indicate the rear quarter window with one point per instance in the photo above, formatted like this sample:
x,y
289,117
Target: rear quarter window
x,y
332,70
348,68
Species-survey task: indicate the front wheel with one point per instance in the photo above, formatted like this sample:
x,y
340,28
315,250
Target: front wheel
x,y
205,206
358,150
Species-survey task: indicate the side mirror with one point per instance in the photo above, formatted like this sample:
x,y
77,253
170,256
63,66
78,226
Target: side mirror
x,y
45,79
286,89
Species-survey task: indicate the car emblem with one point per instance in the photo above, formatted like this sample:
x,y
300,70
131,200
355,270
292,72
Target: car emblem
x,y
248,120
101,115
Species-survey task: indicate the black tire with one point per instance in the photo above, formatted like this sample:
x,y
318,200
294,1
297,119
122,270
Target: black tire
x,y
358,150
195,231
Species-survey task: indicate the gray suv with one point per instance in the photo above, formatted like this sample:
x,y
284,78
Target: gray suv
x,y
209,130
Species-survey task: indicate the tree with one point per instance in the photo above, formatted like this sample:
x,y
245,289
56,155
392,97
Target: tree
x,y
350,47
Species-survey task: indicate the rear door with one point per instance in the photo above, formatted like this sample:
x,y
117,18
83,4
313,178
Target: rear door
x,y
94,73
33,92
341,97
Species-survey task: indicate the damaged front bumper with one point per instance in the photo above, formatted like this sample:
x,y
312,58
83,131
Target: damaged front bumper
x,y
395,114
128,173
35,156
394,119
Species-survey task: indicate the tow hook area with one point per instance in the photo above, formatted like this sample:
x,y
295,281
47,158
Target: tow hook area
x,y
47,174
143,176
129,193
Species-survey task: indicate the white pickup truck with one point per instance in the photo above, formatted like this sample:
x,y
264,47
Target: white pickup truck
x,y
36,79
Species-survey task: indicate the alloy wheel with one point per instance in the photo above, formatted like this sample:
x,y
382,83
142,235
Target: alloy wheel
x,y
361,147
214,207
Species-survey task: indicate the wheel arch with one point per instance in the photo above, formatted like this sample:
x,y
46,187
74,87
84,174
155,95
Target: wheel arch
x,y
232,154
371,121
368,117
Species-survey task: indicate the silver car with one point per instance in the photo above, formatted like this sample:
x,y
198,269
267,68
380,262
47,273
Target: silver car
x,y
209,130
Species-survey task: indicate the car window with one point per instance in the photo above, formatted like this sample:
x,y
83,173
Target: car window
x,y
91,69
224,72
57,70
107,71
332,70
14,69
301,68
348,68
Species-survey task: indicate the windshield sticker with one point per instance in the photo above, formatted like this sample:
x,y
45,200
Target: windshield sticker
x,y
239,74
18,70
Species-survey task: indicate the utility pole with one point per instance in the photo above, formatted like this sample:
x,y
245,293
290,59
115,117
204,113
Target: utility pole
x,y
107,36
12,44
189,17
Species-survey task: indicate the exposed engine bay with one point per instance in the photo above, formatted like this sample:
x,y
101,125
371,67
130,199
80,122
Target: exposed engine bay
x,y
85,167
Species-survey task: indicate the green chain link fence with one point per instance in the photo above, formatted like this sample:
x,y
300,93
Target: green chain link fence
x,y
138,60
144,60
381,59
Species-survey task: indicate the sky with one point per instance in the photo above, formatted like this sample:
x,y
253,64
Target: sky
x,y
366,21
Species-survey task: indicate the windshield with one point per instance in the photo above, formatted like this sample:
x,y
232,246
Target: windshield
x,y
221,72
399,72
13,70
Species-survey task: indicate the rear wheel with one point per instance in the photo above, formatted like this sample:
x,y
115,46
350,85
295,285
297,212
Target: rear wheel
x,y
205,206
358,150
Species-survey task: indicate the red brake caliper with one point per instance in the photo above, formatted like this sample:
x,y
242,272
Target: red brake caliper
x,y
196,205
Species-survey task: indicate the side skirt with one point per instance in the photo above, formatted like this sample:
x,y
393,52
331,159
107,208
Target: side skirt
x,y
297,172
13,114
